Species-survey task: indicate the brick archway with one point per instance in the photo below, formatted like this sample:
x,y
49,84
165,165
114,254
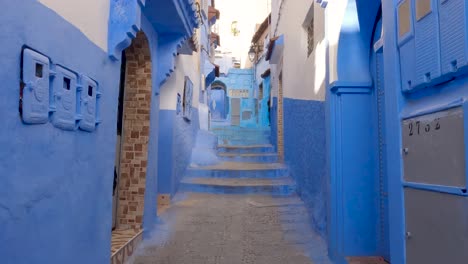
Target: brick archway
x,y
135,134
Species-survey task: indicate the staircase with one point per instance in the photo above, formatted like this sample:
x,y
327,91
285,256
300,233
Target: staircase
x,y
245,169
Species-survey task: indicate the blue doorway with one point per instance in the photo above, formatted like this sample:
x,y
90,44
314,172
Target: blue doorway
x,y
217,104
358,216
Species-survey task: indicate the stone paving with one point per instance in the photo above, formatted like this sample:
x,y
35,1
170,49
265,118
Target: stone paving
x,y
201,228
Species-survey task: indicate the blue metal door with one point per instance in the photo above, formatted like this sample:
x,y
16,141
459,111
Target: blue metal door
x,y
217,104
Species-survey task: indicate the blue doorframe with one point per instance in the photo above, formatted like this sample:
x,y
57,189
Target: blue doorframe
x,y
377,65
357,225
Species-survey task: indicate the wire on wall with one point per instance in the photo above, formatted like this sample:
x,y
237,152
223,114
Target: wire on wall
x,y
279,17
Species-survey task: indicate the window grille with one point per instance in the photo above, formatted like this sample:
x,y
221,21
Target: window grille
x,y
310,37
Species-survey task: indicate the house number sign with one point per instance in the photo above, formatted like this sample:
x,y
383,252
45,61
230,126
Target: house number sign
x,y
418,127
433,148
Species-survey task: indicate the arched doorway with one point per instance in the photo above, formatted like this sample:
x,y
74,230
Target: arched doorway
x,y
218,101
133,134
358,219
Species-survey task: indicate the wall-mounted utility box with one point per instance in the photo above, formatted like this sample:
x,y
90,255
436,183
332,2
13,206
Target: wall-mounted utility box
x,y
434,148
436,227
65,89
453,36
88,102
35,88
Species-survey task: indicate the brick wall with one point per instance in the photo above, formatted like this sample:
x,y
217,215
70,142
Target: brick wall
x,y
136,124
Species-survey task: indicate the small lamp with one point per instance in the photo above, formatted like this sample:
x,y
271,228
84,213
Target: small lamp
x,y
252,53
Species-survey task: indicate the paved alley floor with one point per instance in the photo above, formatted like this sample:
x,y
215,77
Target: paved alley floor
x,y
203,228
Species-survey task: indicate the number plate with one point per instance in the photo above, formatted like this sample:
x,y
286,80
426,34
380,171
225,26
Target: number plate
x,y
434,148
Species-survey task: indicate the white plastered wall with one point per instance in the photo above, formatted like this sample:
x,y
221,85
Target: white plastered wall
x,y
335,16
90,16
304,77
186,65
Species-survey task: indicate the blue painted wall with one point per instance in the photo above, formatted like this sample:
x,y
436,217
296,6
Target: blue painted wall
x,y
354,216
176,140
166,150
185,133
150,204
274,122
241,79
57,185
264,115
305,155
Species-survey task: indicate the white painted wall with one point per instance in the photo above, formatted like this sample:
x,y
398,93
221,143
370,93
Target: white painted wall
x,y
225,61
303,77
335,14
90,16
186,65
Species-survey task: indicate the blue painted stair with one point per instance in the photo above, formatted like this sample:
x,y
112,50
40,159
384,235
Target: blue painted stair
x,y
249,157
245,169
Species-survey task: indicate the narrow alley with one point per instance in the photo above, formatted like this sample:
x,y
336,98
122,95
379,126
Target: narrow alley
x,y
235,212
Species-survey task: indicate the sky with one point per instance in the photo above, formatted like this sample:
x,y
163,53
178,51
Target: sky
x,y
247,13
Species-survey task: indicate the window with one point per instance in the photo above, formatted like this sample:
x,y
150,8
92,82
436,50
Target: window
x,y
90,90
66,83
310,37
187,102
39,70
260,92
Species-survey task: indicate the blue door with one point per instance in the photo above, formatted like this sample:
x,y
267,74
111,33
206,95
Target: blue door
x,y
217,104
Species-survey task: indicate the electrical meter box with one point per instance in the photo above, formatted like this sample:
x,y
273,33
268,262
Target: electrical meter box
x,y
35,87
88,104
65,90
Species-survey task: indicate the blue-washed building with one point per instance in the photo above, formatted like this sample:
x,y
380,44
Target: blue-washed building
x,y
236,89
257,54
183,109
80,113
105,103
379,81
297,80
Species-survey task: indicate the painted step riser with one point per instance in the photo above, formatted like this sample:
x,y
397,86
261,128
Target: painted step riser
x,y
280,190
246,150
241,142
255,159
273,173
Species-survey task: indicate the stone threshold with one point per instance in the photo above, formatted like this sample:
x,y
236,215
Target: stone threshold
x,y
124,244
366,260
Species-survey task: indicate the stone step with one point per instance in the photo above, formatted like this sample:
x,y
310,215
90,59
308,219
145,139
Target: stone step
x,y
241,149
279,186
239,170
249,157
240,142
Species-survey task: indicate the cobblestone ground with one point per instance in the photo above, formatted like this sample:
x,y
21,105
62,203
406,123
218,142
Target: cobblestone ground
x,y
233,229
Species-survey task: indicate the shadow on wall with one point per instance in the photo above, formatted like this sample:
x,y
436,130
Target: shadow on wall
x,y
305,155
204,153
185,133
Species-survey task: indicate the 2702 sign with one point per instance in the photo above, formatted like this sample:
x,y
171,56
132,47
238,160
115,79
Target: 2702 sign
x,y
418,127
433,148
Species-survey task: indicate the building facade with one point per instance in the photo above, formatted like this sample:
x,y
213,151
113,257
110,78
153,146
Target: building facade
x,y
257,55
297,80
380,82
76,148
184,109
237,89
